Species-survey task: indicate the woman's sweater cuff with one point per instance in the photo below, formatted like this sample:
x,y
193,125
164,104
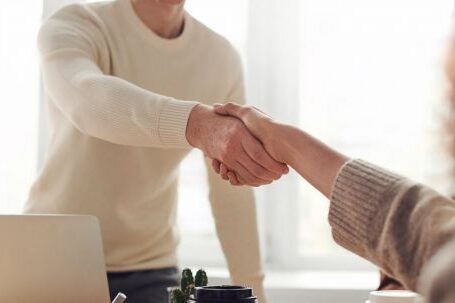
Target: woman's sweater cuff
x,y
172,123
355,206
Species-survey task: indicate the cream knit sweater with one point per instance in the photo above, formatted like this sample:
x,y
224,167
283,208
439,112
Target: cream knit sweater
x,y
404,227
119,101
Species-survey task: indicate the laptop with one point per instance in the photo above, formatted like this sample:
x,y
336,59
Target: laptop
x,y
51,259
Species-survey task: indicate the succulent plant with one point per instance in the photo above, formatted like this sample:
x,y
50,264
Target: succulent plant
x,y
201,278
177,296
187,282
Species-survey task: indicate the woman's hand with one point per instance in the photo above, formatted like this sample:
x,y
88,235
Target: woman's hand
x,y
260,125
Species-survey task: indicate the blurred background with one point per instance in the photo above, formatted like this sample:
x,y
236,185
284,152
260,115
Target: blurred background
x,y
365,76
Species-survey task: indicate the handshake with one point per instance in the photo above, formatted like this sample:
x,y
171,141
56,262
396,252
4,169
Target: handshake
x,y
240,141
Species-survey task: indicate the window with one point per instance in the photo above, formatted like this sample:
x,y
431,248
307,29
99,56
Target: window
x,y
368,80
371,85
19,78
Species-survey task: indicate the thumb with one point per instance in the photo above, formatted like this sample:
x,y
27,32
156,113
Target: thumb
x,y
229,109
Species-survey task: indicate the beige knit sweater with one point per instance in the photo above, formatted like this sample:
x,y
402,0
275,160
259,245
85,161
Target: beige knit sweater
x,y
119,100
404,227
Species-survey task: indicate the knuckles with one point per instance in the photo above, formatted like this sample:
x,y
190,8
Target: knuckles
x,y
231,140
257,154
228,150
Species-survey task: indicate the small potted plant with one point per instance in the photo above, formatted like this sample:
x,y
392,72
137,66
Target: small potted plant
x,y
188,284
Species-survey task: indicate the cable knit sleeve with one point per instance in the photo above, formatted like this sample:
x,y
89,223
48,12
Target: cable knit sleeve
x,y
394,222
75,60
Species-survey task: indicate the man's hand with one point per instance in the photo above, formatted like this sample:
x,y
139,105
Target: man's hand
x,y
227,140
262,126
259,124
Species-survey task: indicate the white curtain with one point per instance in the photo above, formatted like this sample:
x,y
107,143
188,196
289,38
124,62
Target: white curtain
x,y
272,68
273,56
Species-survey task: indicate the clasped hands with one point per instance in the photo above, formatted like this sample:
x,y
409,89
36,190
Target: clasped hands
x,y
240,142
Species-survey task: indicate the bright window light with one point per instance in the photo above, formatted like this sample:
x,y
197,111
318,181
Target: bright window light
x,y
20,95
372,86
228,18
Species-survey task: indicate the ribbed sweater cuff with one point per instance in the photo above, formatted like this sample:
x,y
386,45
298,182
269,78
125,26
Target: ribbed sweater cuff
x,y
172,123
355,206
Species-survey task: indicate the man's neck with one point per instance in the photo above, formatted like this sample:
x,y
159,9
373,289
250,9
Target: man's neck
x,y
166,20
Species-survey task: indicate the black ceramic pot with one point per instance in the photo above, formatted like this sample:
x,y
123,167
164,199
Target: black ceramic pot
x,y
223,294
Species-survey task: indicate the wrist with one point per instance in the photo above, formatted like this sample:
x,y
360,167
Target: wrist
x,y
299,144
195,122
280,136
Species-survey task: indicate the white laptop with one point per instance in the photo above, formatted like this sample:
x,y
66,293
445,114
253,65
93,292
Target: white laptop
x,y
51,259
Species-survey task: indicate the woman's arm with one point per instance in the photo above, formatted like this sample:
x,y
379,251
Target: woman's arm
x,y
313,160
394,222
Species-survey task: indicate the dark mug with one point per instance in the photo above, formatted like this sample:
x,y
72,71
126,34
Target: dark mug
x,y
223,294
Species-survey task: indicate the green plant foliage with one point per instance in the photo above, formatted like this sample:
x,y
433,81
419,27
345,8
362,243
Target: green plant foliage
x,y
177,296
187,282
201,278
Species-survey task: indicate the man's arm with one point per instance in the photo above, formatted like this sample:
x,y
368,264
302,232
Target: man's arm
x,y
234,212
74,54
75,62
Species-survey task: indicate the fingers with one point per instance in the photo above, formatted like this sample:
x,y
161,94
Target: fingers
x,y
249,166
229,175
223,171
233,179
245,175
257,170
270,167
262,112
230,109
216,165
236,110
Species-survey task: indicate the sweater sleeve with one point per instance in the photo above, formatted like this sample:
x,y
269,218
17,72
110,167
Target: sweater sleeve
x,y
75,62
394,222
